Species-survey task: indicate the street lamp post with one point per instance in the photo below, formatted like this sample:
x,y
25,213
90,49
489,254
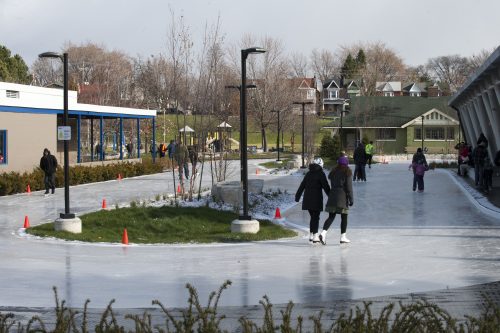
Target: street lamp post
x,y
342,128
278,136
75,224
303,128
243,127
422,130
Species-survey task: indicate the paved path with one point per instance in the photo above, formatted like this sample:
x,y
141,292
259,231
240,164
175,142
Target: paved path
x,y
402,242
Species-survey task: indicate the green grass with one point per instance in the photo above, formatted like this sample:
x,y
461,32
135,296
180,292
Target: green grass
x,y
150,225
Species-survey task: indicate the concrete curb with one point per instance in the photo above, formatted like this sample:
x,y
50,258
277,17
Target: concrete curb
x,y
475,197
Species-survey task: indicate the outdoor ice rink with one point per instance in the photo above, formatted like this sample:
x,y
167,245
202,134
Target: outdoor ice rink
x,y
402,242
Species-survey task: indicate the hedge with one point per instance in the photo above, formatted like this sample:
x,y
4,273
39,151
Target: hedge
x,y
15,182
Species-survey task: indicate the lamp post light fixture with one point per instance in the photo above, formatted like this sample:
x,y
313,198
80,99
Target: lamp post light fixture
x,y
303,129
245,222
67,221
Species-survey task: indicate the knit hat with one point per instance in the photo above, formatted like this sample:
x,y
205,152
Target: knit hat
x,y
343,160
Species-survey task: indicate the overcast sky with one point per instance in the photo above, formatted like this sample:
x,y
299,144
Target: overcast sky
x,y
415,30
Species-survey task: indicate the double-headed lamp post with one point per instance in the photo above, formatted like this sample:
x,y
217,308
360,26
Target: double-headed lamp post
x,y
303,128
243,129
73,227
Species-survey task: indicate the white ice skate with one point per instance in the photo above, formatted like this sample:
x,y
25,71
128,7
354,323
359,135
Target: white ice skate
x,y
322,237
344,239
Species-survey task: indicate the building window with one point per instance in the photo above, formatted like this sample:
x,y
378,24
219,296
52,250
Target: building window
x,y
435,133
3,147
311,94
389,94
415,94
418,133
12,94
386,134
332,94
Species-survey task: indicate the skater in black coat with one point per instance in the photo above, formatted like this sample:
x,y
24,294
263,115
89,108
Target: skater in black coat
x,y
313,185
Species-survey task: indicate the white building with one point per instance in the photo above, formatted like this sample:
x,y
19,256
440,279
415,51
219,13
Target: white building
x,y
29,120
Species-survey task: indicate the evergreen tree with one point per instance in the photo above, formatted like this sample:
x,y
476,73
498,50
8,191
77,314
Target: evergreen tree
x,y
330,147
12,68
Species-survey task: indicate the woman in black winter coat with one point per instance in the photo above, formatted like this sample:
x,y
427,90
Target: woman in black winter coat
x,y
313,185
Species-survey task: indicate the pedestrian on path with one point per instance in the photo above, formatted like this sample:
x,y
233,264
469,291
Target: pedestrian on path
x,y
478,155
313,185
360,162
369,150
182,157
48,163
419,166
339,199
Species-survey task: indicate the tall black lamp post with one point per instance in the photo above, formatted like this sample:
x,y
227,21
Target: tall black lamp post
x,y
243,127
422,130
278,136
303,129
64,59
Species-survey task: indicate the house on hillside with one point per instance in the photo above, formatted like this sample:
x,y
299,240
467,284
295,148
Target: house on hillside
x,y
307,90
412,89
400,124
388,89
334,97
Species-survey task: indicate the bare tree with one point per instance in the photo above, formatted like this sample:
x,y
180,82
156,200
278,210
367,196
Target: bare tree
x,y
382,64
299,65
270,72
476,60
450,70
324,64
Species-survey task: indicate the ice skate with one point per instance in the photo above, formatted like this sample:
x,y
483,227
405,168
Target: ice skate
x,y
344,239
322,237
315,238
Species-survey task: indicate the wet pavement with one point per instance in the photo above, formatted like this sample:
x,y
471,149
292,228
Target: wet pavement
x,y
403,243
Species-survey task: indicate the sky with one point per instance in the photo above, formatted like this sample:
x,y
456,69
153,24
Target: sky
x,y
416,31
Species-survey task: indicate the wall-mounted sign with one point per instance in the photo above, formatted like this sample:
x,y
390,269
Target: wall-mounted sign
x,y
63,133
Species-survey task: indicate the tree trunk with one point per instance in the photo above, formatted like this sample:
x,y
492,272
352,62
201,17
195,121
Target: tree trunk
x,y
264,139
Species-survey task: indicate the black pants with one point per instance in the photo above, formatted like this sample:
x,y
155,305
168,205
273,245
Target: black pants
x,y
329,221
314,222
50,181
418,180
369,160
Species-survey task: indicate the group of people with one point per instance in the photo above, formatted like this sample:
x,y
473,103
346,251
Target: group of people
x,y
179,155
479,159
340,197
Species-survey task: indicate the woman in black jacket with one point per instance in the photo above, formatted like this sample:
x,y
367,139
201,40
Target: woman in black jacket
x,y
313,185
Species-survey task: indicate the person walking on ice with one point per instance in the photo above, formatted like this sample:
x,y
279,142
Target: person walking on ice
x,y
339,199
48,163
313,185
419,166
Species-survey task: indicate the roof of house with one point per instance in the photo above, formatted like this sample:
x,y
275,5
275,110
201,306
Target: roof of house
x,y
388,86
380,112
415,87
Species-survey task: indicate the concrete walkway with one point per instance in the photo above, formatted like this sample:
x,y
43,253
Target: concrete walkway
x,y
402,242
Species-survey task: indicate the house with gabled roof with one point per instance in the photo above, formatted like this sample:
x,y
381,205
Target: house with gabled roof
x,y
400,124
388,89
415,89
308,90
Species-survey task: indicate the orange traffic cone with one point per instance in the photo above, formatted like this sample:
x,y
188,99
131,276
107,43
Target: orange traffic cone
x,y
179,188
119,176
104,206
26,222
277,214
28,189
125,237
